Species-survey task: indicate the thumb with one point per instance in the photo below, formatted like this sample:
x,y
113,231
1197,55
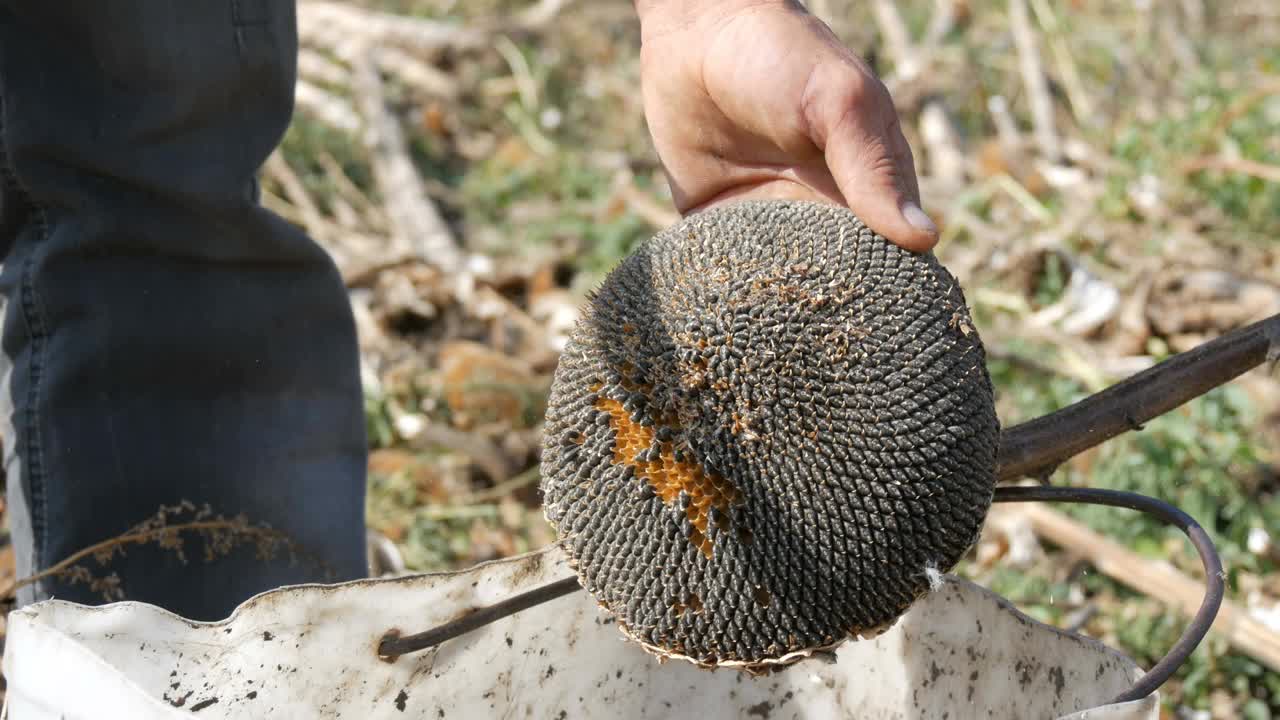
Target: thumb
x,y
852,119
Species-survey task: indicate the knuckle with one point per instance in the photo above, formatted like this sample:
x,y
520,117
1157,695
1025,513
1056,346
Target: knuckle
x,y
854,97
857,89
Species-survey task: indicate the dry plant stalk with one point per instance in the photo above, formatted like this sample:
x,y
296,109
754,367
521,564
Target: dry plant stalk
x,y
279,170
1243,166
649,209
417,228
897,38
222,535
325,106
318,67
370,212
422,75
1035,448
326,23
1034,78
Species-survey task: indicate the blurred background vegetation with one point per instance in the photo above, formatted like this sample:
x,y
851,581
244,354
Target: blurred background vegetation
x,y
1106,173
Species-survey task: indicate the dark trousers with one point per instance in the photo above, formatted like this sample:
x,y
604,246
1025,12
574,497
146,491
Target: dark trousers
x,y
165,338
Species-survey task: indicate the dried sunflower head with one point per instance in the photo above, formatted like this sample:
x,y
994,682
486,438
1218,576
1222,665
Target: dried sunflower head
x,y
767,428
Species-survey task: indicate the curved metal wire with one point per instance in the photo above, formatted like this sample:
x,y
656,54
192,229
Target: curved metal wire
x,y
1215,577
393,645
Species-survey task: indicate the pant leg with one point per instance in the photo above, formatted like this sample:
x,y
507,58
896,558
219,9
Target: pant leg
x,y
166,338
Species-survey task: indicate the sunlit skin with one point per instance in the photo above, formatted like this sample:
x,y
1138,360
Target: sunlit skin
x,y
759,99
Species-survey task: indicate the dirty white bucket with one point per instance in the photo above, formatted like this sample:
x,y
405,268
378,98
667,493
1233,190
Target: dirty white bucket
x,y
311,652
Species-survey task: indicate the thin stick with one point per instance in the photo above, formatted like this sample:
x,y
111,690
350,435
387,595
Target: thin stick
x,y
325,106
482,451
1243,166
1023,197
641,203
943,21
1244,104
282,207
327,23
897,39
278,169
424,76
369,211
1033,78
346,254
942,143
1035,448
415,222
501,490
1006,127
1081,105
526,86
541,14
313,65
393,646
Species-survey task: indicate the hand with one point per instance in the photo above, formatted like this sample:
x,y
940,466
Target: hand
x,y
758,99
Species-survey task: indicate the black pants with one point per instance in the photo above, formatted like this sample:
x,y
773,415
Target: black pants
x,y
165,338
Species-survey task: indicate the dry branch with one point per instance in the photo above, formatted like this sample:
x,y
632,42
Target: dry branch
x,y
334,23
312,64
141,538
942,144
908,79
500,490
349,254
942,22
343,213
1242,105
1033,79
897,39
417,227
639,202
1081,104
486,455
369,211
1253,168
278,169
1035,448
1155,579
325,106
1006,127
1180,48
541,14
421,75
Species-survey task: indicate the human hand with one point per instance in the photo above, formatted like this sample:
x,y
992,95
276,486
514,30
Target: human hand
x,y
759,99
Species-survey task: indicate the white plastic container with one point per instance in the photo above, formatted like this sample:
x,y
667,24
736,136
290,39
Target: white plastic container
x,y
311,652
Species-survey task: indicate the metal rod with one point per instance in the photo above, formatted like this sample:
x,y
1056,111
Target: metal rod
x,y
1036,447
394,646
1214,576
